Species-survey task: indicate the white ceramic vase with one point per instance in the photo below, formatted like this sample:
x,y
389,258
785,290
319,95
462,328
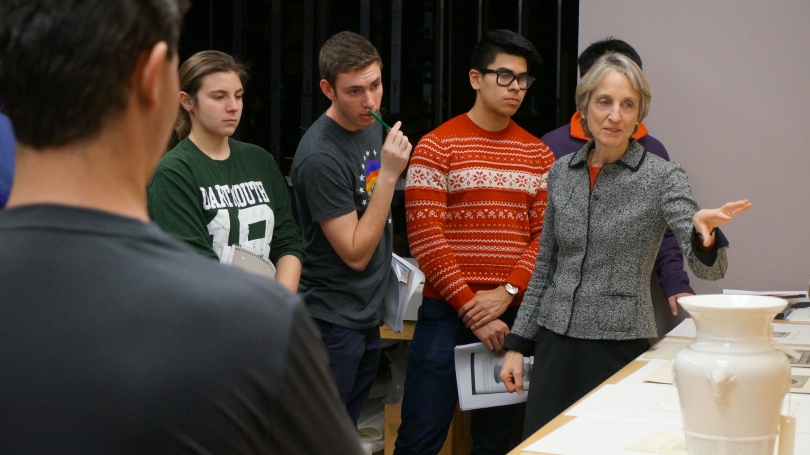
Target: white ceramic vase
x,y
731,380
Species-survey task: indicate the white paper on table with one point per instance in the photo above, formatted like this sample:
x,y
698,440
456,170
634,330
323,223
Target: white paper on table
x,y
670,403
478,378
663,375
784,337
799,315
665,349
802,337
675,444
637,377
629,402
801,403
800,380
801,443
662,444
592,435
686,329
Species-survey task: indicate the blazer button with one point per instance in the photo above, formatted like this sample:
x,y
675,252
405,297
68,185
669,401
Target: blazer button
x,y
595,197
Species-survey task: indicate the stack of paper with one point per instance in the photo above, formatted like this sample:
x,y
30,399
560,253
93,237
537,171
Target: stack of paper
x,y
402,282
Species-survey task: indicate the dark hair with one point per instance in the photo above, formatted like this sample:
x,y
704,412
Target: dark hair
x,y
192,73
344,52
66,65
610,44
501,41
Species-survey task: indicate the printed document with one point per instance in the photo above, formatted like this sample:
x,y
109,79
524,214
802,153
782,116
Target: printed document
x,y
478,375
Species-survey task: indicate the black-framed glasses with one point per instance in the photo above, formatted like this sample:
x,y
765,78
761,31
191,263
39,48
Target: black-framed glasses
x,y
505,78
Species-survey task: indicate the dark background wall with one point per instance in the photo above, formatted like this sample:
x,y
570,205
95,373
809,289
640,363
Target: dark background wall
x,y
426,47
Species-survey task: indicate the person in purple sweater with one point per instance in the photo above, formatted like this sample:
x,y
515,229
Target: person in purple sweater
x,y
569,138
6,158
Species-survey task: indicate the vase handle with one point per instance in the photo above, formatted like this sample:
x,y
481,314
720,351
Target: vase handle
x,y
721,380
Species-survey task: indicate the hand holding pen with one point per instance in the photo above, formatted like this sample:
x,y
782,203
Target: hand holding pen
x,y
396,150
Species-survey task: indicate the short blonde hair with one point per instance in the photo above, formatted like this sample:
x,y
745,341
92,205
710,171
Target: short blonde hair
x,y
612,61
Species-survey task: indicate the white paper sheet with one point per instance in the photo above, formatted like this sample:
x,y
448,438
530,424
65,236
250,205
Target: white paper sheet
x,y
663,375
592,435
801,444
665,349
801,339
630,402
798,356
662,444
637,378
799,315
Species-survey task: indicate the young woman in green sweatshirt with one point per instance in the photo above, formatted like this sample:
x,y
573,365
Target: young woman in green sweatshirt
x,y
211,191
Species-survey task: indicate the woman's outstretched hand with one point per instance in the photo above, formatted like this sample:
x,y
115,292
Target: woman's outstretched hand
x,y
707,219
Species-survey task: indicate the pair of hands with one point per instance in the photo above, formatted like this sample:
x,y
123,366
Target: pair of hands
x,y
481,316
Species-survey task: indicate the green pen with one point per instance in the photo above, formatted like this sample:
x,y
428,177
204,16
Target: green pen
x,y
377,117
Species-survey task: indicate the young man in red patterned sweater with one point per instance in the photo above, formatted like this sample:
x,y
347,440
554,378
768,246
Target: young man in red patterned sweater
x,y
475,198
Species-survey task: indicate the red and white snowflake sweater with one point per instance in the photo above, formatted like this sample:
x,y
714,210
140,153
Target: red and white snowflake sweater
x,y
474,201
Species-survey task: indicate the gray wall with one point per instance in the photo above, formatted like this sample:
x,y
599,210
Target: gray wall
x,y
731,103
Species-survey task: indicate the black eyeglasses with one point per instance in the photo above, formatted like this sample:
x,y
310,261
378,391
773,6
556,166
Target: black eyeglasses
x,y
505,78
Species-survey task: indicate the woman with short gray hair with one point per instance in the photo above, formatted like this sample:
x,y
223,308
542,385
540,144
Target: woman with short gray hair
x,y
587,311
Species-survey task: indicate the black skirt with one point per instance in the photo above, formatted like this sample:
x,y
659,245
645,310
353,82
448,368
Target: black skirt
x,y
566,369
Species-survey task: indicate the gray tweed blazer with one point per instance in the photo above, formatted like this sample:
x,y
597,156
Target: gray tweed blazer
x,y
592,276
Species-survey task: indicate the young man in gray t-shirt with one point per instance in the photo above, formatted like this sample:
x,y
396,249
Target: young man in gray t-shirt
x,y
344,178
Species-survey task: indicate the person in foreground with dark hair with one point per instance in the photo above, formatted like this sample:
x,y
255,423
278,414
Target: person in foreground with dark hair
x,y
587,312
115,338
475,197
569,138
344,177
211,191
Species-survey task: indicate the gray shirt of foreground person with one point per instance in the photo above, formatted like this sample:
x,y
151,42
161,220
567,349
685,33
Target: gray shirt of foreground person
x,y
598,247
117,338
